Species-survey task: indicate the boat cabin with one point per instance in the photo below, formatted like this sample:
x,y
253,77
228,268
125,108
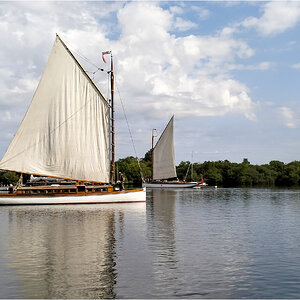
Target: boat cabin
x,y
63,190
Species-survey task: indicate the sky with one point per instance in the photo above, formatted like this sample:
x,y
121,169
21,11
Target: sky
x,y
228,71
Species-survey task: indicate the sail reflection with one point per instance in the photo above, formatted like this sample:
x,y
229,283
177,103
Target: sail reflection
x,y
161,227
64,252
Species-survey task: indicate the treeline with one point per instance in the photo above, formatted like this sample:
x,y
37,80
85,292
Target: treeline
x,y
220,173
227,174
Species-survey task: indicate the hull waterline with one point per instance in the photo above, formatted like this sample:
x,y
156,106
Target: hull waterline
x,y
170,185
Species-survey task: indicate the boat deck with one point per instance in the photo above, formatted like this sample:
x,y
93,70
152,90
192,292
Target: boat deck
x,y
64,190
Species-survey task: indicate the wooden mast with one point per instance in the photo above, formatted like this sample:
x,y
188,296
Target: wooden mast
x,y
112,120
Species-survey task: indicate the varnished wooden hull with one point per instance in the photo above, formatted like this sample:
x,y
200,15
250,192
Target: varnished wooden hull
x,y
127,196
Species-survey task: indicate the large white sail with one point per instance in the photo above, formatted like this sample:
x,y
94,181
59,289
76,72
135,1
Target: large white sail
x,y
163,155
65,132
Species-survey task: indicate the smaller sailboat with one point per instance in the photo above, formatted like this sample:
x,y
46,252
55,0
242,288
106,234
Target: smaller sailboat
x,y
163,162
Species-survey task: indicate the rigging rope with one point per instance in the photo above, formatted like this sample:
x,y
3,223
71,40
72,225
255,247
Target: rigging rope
x,y
75,51
132,141
187,172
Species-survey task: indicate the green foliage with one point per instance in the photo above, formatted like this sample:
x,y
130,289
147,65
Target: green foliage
x,y
129,167
148,156
182,169
221,173
8,178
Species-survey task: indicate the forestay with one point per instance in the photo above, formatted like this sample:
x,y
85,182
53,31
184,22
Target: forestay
x,y
163,155
65,132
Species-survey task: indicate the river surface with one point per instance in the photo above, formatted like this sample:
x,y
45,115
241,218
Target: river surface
x,y
223,243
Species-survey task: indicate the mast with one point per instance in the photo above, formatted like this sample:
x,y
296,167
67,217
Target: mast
x,y
152,154
112,120
192,167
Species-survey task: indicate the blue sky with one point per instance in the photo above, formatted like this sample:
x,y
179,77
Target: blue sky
x,y
228,71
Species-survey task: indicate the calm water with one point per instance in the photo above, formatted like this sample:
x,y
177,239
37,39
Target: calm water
x,y
225,243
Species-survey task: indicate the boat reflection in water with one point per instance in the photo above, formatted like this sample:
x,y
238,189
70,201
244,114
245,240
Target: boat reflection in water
x,y
161,214
65,251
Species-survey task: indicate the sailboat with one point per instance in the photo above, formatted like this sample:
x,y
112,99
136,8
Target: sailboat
x,y
163,162
67,133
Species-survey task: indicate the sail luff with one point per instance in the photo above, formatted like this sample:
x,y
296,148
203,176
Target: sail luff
x,y
163,155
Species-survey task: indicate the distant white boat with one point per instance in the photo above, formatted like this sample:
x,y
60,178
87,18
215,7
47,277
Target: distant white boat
x,y
176,184
163,162
204,185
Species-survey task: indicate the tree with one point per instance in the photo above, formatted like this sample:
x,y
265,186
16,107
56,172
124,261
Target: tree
x,y
130,168
148,156
9,178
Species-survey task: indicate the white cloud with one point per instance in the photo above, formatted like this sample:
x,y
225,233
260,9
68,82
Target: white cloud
x,y
176,10
184,25
185,75
202,12
5,116
156,71
289,118
263,66
277,17
296,66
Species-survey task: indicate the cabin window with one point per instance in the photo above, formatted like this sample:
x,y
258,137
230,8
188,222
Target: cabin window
x,y
104,190
81,188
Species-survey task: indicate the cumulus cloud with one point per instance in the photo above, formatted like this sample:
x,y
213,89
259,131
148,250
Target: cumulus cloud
x,y
277,17
289,117
156,71
183,75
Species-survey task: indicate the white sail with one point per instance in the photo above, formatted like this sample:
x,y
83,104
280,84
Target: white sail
x,y
65,132
163,155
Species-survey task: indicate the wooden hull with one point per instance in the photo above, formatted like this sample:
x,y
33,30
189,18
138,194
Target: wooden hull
x,y
138,195
171,185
